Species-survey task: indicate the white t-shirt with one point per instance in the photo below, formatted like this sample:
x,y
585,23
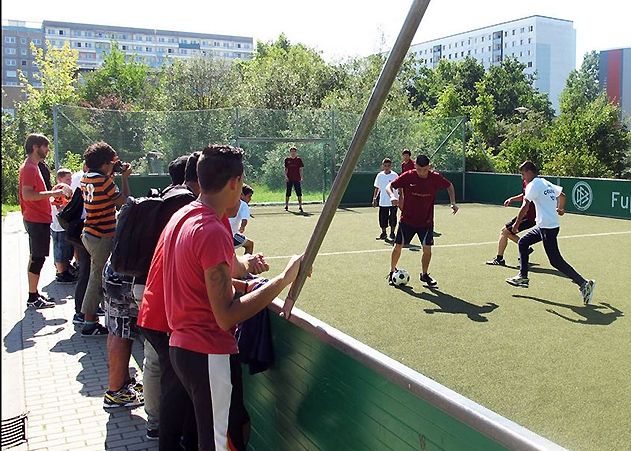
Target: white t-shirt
x,y
54,226
544,195
243,213
381,181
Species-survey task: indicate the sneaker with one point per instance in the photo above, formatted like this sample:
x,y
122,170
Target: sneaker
x,y
286,208
496,262
97,330
428,280
39,302
383,236
587,291
65,278
153,434
78,318
121,398
518,281
389,277
135,386
392,236
100,311
301,210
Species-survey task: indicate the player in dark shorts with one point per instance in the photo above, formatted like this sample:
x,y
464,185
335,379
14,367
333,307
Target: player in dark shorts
x,y
417,190
293,176
507,231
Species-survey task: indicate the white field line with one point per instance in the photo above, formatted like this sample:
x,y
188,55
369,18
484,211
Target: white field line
x,y
484,243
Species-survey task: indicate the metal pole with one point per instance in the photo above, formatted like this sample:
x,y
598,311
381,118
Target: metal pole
x,y
377,99
55,137
464,159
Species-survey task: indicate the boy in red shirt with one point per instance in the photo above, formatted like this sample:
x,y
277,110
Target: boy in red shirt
x,y
36,213
200,305
417,190
408,163
293,176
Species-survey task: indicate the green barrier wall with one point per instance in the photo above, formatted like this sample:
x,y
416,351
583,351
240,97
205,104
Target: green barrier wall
x,y
361,187
323,393
139,185
600,197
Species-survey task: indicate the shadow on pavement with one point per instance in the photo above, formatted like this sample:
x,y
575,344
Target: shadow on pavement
x,y
16,341
116,438
453,305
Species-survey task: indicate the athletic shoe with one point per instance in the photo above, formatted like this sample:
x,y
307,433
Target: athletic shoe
x,y
65,278
428,280
100,311
389,277
135,386
496,262
74,269
153,434
392,236
587,291
96,330
301,210
383,236
78,318
40,302
518,281
121,398
286,208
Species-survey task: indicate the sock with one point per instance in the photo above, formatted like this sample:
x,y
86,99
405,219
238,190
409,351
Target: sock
x,y
500,257
33,296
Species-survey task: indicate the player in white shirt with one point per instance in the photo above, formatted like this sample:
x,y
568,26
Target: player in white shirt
x,y
387,212
238,222
549,201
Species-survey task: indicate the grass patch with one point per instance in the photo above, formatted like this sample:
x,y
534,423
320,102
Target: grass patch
x,y
9,208
264,194
537,356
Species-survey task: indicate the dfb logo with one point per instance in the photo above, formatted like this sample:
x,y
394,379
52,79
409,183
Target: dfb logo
x,y
582,196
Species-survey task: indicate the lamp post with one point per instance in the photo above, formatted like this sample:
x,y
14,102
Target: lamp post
x,y
522,110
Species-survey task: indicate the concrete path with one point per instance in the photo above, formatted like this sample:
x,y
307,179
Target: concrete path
x,y
50,371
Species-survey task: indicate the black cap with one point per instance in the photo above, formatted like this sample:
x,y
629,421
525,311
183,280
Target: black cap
x,y
422,161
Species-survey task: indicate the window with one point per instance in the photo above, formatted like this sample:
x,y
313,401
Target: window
x,y
10,62
531,28
61,32
529,40
528,52
23,62
124,47
513,44
505,33
76,33
9,51
489,48
521,53
148,49
23,52
37,41
482,38
529,63
78,45
11,74
522,30
513,33
462,53
169,50
89,34
25,72
22,40
9,39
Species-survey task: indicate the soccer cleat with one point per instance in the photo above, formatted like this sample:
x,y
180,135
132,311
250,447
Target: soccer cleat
x,y
383,236
40,302
95,330
392,236
496,262
125,397
389,277
78,318
518,281
587,291
301,210
428,280
65,278
286,208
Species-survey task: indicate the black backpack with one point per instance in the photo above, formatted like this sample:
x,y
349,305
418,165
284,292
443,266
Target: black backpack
x,y
73,210
139,225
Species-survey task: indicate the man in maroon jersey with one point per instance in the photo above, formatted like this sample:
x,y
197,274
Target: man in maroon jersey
x,y
417,191
507,231
408,163
293,176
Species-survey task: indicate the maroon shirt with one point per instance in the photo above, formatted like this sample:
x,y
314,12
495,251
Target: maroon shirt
x,y
293,166
419,195
409,166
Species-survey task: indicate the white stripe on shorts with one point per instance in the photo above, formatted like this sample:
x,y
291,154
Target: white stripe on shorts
x,y
220,393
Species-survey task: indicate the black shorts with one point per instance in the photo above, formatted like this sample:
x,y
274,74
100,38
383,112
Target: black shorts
x,y
38,238
523,225
297,186
405,234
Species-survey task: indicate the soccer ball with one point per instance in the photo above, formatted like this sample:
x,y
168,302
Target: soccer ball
x,y
400,277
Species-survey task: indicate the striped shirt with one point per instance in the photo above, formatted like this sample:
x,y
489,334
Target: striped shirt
x,y
99,194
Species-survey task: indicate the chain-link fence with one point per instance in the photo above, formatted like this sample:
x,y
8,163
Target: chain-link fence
x,y
151,139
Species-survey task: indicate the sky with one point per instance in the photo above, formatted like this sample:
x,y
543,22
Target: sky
x,y
337,28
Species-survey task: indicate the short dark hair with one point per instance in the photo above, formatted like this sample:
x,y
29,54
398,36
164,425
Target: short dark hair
x,y
98,154
386,160
293,148
177,170
406,152
247,189
528,166
63,172
190,172
422,160
218,164
34,139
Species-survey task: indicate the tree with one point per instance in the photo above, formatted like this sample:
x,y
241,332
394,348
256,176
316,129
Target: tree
x,y
582,86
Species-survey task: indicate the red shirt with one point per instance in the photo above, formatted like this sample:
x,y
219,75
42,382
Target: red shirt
x,y
531,214
195,239
419,195
293,166
151,314
33,210
409,166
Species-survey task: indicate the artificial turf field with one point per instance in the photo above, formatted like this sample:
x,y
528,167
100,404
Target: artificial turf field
x,y
537,356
